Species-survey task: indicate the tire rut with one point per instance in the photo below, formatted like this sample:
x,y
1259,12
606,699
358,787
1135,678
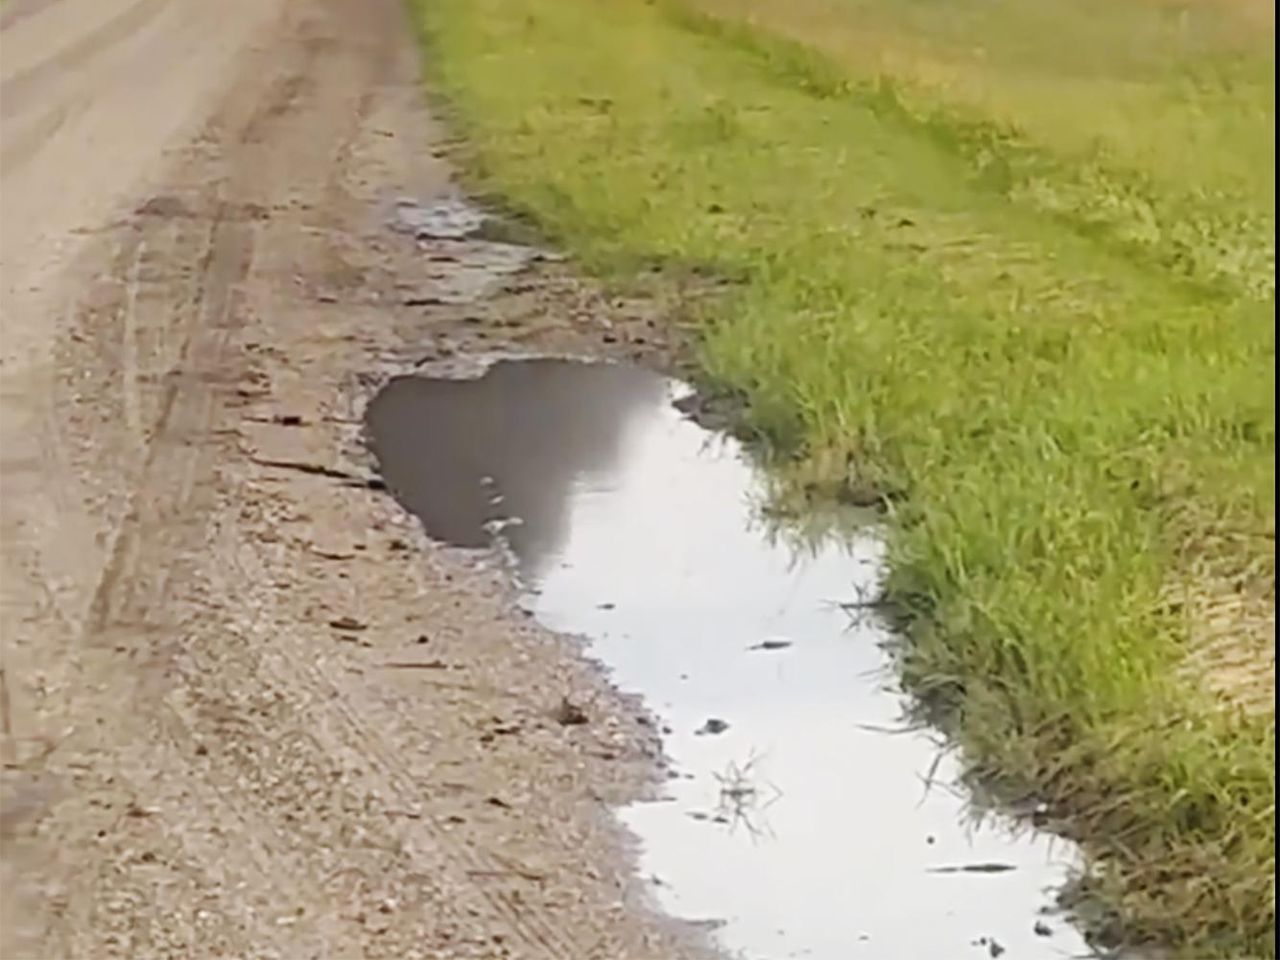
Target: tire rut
x,y
234,778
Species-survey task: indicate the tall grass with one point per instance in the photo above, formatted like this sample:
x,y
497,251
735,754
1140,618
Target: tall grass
x,y
1053,342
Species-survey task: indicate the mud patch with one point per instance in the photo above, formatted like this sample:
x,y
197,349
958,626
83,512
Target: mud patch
x,y
799,811
463,272
446,218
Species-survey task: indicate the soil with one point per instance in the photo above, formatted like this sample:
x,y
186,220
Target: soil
x,y
249,710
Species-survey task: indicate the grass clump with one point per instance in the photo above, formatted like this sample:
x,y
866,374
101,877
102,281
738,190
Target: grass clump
x,y
1032,292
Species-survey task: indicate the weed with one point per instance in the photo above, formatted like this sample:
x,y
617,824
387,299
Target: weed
x,y
1011,263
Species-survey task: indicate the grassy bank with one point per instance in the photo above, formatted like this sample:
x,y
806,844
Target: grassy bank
x,y
1013,264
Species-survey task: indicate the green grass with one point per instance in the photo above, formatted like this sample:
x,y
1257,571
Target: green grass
x,y
1028,291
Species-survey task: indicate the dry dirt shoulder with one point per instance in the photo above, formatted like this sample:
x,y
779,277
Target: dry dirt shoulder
x,y
249,709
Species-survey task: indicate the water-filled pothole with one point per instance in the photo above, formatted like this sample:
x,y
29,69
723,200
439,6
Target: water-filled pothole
x,y
801,813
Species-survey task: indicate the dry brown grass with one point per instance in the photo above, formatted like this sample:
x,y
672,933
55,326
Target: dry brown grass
x,y
1225,591
1232,640
1259,14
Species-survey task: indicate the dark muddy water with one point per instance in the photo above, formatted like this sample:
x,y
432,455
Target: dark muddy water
x,y
799,818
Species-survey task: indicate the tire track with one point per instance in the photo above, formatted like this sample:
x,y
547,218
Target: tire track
x,y
234,788
76,57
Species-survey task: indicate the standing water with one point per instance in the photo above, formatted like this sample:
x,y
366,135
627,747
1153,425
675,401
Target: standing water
x,y
802,816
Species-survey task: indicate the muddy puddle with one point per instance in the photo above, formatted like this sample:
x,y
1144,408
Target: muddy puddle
x,y
799,816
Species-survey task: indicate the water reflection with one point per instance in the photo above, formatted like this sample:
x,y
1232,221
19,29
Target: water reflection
x,y
466,454
798,819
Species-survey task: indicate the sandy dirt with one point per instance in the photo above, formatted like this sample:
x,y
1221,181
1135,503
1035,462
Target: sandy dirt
x,y
248,709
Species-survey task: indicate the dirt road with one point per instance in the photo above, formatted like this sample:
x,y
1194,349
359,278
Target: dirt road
x,y
248,710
